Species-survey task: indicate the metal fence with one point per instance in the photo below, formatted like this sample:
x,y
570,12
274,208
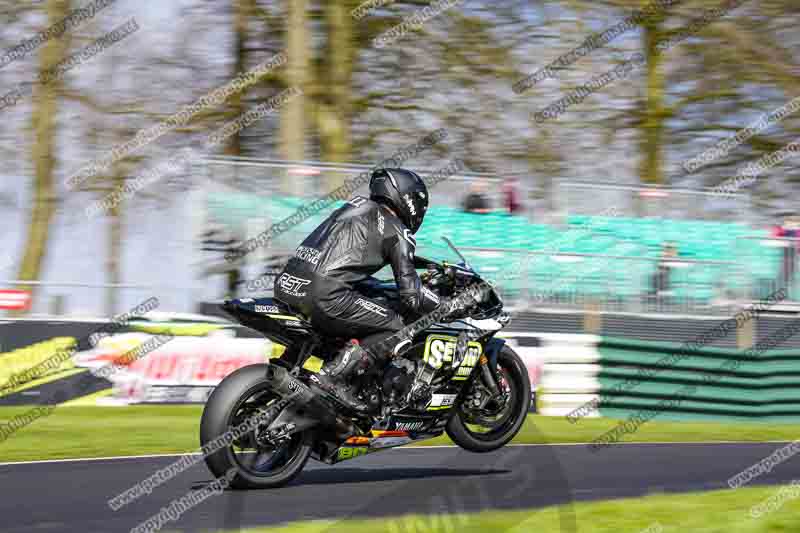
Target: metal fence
x,y
313,179
260,181
654,327
614,282
576,198
772,262
618,283
527,280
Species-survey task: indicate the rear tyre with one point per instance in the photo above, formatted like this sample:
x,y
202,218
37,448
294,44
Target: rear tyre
x,y
249,464
487,430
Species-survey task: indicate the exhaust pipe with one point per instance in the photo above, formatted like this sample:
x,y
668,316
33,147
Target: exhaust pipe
x,y
285,385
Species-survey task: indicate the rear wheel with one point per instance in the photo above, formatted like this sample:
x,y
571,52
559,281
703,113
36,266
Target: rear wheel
x,y
244,458
493,426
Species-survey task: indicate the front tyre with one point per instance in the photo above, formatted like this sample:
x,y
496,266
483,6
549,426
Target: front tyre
x,y
488,429
238,398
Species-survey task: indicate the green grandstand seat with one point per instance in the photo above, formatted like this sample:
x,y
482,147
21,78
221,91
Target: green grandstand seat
x,y
637,237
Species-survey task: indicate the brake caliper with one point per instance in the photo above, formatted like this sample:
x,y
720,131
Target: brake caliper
x,y
276,437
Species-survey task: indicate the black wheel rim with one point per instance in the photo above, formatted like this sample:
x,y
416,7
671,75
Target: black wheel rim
x,y
253,457
494,424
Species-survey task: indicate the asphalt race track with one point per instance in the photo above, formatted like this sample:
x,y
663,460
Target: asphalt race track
x,y
72,496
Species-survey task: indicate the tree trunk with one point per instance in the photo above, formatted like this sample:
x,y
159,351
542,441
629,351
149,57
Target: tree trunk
x,y
652,163
297,67
242,11
45,109
335,114
115,231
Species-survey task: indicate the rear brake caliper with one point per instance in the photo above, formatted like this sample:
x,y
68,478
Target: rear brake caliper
x,y
276,437
266,415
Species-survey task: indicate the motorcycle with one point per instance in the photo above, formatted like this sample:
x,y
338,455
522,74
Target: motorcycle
x,y
263,422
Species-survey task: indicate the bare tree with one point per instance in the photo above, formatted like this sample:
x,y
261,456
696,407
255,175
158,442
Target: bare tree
x,y
45,112
293,117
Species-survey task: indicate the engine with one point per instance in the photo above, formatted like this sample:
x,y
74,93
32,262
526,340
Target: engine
x,y
397,379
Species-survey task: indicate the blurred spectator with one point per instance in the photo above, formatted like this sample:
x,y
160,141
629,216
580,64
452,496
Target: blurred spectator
x,y
790,229
661,286
511,195
234,279
477,201
221,241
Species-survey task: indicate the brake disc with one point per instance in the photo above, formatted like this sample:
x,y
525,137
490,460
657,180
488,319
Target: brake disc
x,y
276,437
479,409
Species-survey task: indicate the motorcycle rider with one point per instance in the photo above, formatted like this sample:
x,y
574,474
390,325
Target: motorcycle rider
x,y
352,244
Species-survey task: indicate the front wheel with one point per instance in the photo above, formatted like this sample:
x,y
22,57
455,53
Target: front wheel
x,y
485,430
233,448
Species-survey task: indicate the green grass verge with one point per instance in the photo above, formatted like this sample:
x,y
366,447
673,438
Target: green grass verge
x,y
71,432
709,512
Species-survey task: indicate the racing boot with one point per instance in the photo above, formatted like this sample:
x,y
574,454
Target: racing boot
x,y
336,375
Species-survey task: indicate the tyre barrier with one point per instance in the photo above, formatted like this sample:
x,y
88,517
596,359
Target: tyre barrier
x,y
589,376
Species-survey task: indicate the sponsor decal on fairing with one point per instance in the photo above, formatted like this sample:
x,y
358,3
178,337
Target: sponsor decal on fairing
x,y
441,401
349,452
441,349
409,426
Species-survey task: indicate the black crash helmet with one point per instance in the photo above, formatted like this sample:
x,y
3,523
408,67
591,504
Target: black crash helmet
x,y
404,191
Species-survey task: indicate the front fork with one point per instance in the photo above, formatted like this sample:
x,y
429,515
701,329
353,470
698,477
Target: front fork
x,y
488,376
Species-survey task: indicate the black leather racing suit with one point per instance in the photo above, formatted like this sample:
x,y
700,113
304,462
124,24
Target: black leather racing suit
x,y
355,242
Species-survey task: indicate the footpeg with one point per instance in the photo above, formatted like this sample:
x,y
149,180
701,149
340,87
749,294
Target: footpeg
x,y
344,398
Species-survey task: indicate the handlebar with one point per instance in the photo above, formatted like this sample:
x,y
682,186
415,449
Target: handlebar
x,y
448,278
